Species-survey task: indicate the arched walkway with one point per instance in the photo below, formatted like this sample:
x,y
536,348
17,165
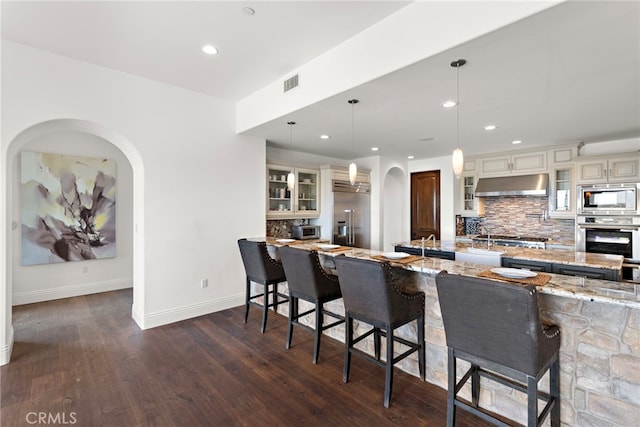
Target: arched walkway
x,y
135,160
395,205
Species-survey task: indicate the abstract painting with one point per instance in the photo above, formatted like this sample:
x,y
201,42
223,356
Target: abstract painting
x,y
68,208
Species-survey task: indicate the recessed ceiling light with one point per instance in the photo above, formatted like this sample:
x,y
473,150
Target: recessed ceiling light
x,y
324,137
248,11
517,141
210,50
410,157
449,104
490,127
374,148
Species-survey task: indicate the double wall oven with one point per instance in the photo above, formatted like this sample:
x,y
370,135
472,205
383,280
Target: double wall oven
x,y
608,222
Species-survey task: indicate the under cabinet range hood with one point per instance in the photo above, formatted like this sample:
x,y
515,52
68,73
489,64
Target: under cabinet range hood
x,y
523,185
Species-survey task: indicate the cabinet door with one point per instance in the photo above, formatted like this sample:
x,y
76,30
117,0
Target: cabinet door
x,y
624,169
519,164
529,162
544,267
589,272
279,200
495,166
470,206
308,193
592,171
561,196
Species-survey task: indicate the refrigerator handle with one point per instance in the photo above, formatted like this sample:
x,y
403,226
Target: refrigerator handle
x,y
350,228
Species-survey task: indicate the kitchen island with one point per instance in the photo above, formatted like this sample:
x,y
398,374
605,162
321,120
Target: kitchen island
x,y
567,262
599,354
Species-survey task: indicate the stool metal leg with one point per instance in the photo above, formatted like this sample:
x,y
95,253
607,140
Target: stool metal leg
x,y
318,332
475,386
246,300
376,342
532,401
388,382
421,350
293,313
451,388
554,391
265,309
348,343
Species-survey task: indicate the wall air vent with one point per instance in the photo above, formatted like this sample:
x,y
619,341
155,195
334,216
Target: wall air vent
x,y
291,83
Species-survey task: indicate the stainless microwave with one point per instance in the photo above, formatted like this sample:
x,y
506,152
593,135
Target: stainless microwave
x,y
304,232
609,199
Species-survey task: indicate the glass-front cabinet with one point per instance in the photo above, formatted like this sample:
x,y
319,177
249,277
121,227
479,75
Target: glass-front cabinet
x,y
470,205
562,195
301,202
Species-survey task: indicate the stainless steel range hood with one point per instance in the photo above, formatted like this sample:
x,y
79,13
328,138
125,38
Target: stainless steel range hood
x,y
523,185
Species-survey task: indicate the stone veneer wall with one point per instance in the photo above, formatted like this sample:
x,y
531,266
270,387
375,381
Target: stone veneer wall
x,y
522,216
599,357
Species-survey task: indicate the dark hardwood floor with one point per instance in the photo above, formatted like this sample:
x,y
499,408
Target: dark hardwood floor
x,y
86,362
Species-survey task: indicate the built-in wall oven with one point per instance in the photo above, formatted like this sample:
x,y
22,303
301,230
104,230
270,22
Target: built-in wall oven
x,y
616,235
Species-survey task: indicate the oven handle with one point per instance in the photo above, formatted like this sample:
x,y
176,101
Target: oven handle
x,y
610,227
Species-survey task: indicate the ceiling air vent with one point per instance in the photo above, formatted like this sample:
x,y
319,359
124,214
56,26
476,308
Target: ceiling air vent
x,y
291,83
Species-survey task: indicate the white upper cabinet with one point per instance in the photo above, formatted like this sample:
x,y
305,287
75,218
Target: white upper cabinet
x,y
514,164
619,168
301,202
470,205
562,192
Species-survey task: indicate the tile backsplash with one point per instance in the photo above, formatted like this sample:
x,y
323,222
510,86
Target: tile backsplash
x,y
523,216
281,228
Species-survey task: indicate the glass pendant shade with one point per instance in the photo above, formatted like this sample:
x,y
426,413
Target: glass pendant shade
x,y
353,173
291,180
457,162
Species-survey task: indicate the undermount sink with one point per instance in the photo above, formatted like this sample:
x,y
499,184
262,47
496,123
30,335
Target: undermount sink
x,y
480,256
484,251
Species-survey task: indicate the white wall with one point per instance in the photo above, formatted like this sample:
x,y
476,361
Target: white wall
x,y
50,281
448,192
198,186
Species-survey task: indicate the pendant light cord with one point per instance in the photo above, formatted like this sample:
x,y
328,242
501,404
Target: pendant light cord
x,y
458,106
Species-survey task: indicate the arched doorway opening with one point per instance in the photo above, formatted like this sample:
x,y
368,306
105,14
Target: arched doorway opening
x,y
73,127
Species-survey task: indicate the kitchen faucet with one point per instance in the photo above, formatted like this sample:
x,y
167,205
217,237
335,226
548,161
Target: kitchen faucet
x,y
432,236
486,230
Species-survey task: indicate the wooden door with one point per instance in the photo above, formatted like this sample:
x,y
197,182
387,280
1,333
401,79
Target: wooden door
x,y
425,204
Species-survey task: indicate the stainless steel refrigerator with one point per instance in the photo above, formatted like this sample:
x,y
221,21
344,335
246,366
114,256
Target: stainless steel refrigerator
x,y
352,214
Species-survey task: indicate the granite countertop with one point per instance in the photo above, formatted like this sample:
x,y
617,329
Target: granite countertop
x,y
558,256
617,293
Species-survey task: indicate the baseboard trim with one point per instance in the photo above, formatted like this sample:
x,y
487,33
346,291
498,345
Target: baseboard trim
x,y
31,297
189,311
6,349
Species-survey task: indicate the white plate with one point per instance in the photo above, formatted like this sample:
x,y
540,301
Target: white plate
x,y
395,255
514,273
285,240
327,246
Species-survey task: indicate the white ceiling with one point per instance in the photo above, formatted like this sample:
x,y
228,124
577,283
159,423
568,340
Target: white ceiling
x,y
568,74
162,40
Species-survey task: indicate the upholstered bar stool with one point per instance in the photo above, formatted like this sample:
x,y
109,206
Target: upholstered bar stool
x,y
371,295
308,281
496,327
264,270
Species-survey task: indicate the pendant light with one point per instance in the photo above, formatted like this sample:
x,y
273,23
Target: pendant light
x,y
353,169
457,159
291,178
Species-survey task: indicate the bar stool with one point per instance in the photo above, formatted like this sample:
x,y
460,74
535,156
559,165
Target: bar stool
x,y
264,270
496,327
371,296
308,281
